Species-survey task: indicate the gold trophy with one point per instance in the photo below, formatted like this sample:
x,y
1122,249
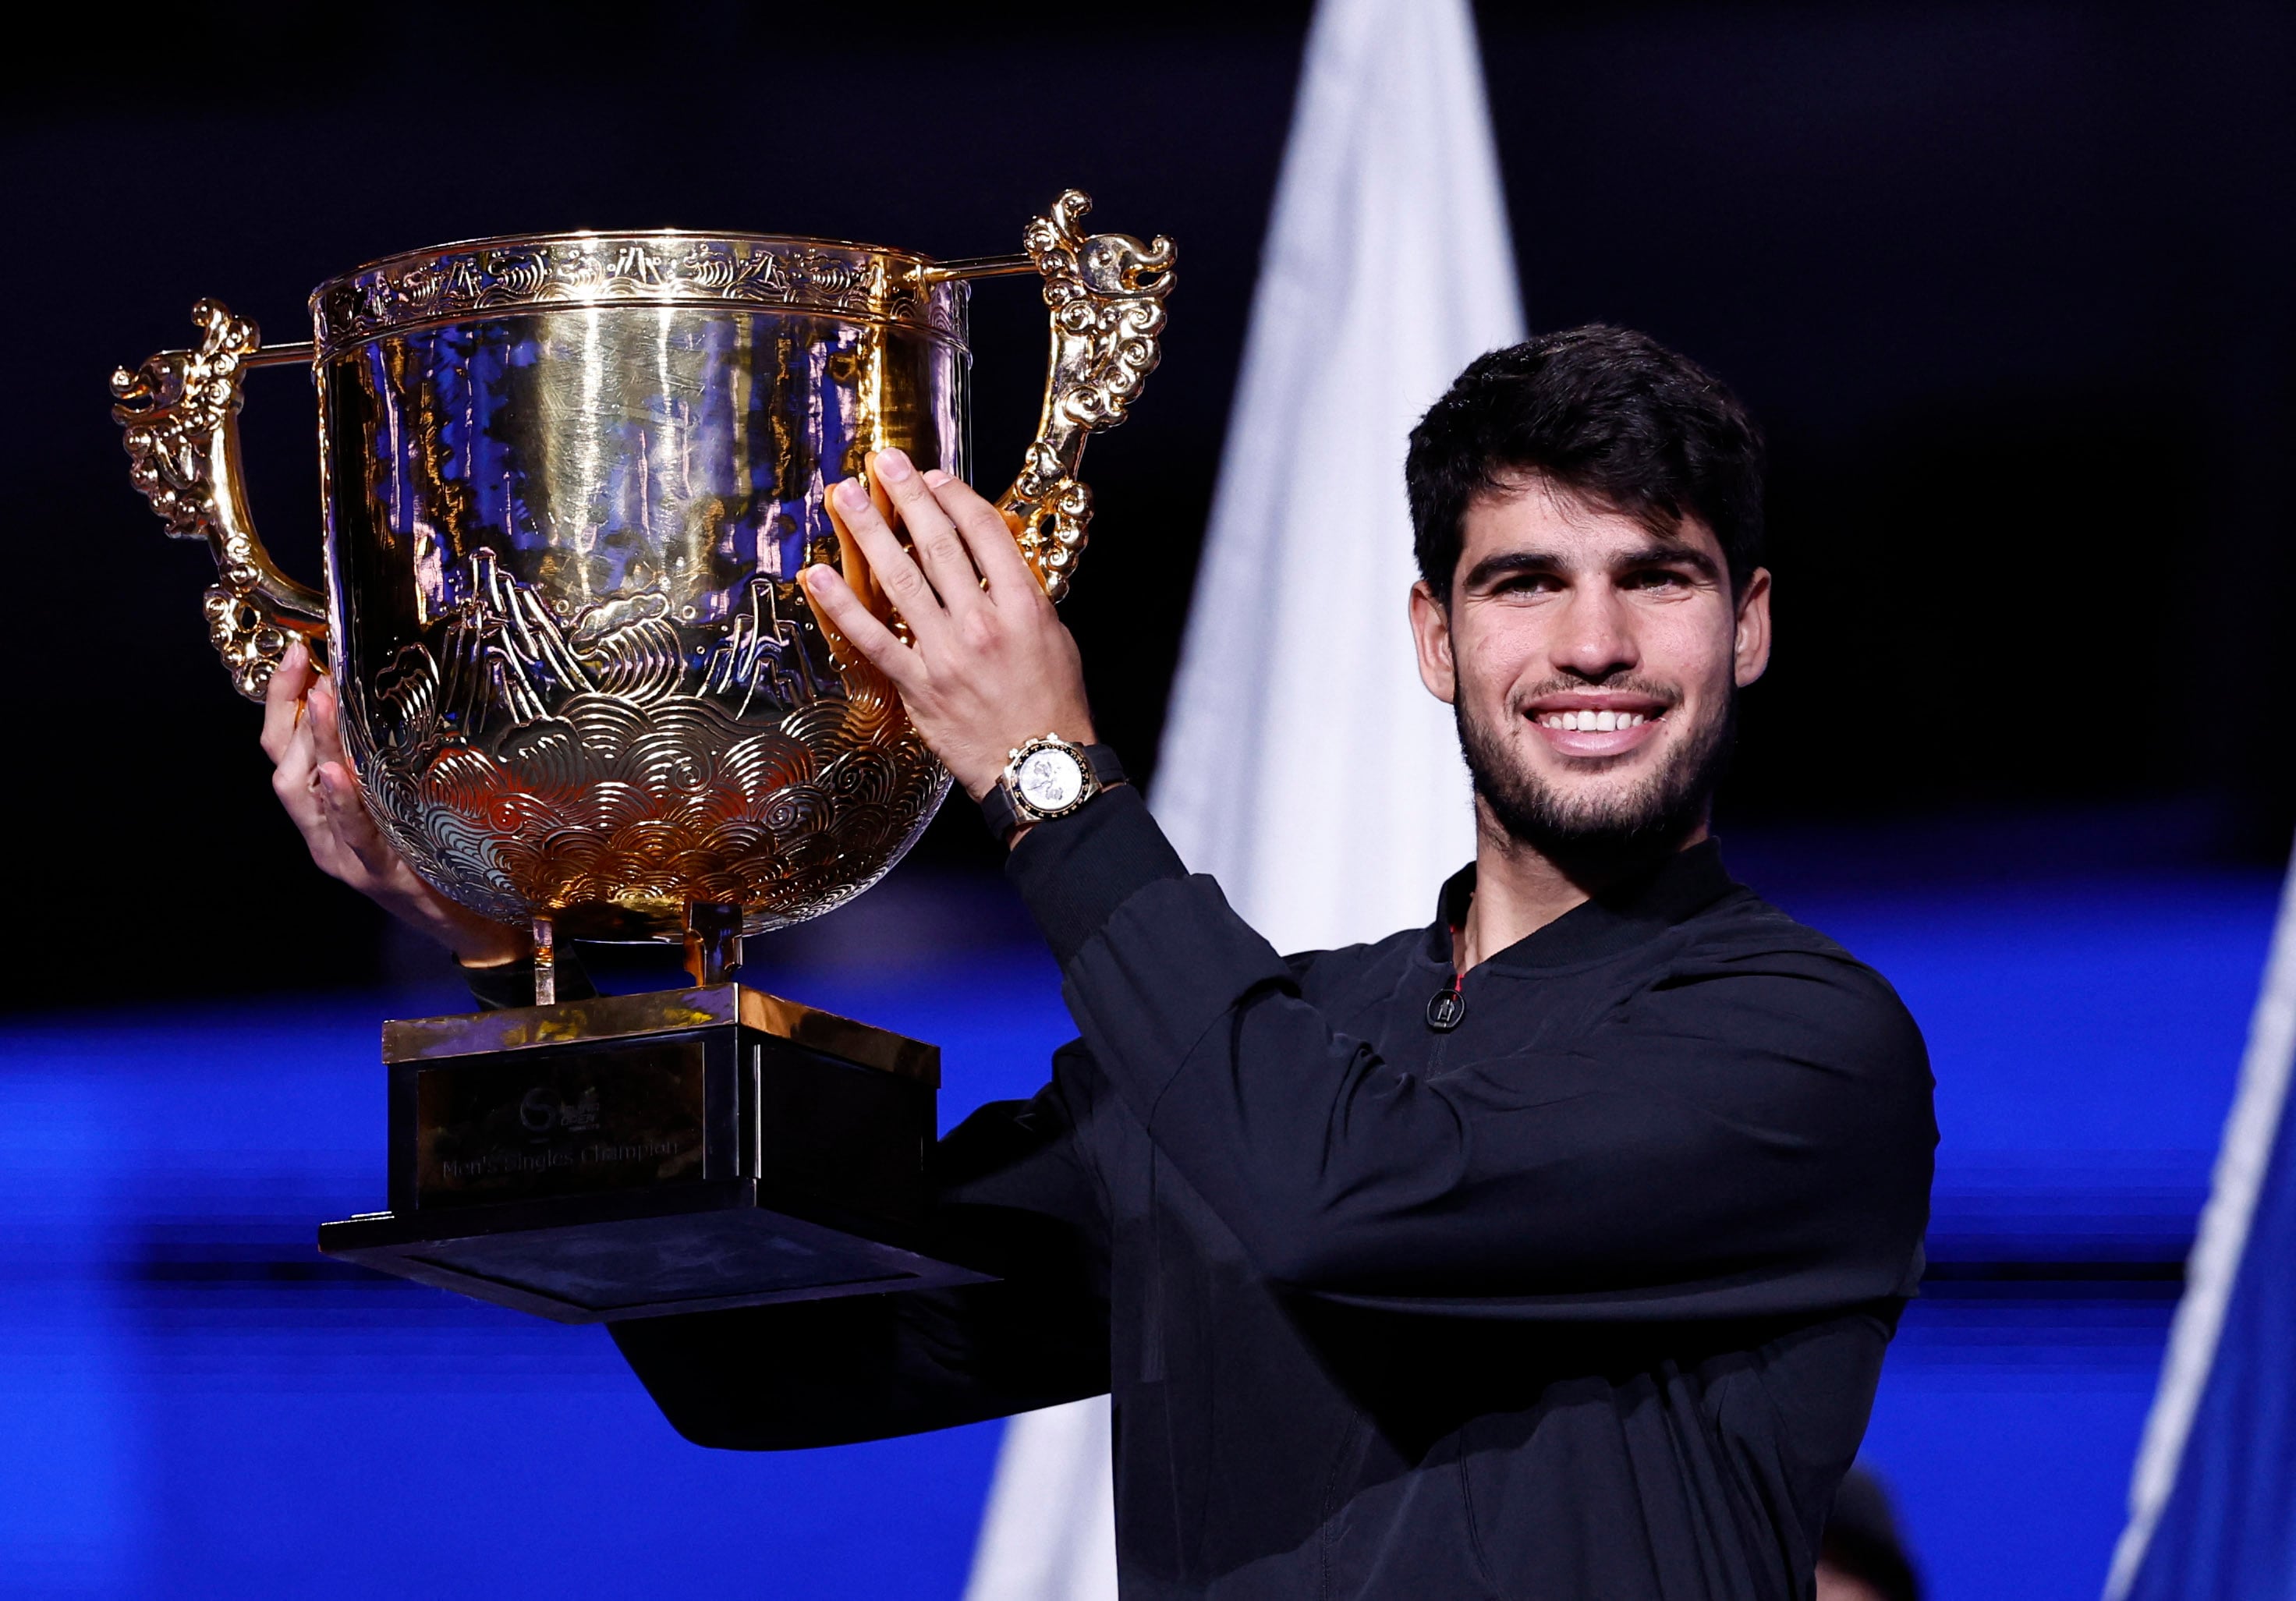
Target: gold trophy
x,y
569,482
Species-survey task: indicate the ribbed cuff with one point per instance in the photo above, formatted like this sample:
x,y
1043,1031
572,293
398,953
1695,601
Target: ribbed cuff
x,y
509,984
1075,871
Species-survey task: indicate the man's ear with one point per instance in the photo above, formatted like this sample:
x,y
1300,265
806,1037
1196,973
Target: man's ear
x,y
1750,651
1430,635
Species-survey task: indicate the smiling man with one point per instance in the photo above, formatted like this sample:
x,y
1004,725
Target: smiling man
x,y
1548,1250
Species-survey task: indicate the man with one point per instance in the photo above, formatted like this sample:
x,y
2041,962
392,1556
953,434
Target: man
x,y
1548,1250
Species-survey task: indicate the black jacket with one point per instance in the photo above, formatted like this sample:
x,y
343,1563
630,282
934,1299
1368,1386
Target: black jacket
x,y
1584,1299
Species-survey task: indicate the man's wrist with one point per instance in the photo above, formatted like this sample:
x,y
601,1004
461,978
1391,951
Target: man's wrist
x,y
979,785
1045,778
475,941
1013,840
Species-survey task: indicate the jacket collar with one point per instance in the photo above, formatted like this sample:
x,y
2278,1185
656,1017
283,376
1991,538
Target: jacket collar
x,y
1621,917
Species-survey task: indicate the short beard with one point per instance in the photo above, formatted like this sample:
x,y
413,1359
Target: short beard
x,y
1618,832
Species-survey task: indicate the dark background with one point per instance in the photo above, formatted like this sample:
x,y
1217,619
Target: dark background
x,y
2008,285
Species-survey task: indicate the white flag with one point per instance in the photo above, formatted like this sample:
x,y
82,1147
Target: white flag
x,y
1304,765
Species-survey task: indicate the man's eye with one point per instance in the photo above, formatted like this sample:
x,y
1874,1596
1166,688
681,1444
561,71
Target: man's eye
x,y
1528,583
1657,578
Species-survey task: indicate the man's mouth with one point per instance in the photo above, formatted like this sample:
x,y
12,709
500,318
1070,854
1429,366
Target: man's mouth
x,y
1595,724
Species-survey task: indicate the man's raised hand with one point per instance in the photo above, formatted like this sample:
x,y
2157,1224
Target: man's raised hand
x,y
312,777
990,663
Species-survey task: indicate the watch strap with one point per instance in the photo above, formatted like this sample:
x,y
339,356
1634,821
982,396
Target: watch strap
x,y
997,810
1105,765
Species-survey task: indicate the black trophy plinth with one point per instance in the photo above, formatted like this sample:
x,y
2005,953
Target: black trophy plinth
x,y
633,1156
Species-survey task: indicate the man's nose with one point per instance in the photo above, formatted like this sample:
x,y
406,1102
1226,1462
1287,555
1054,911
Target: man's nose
x,y
1597,638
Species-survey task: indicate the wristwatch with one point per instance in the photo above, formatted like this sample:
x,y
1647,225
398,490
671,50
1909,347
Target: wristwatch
x,y
1047,778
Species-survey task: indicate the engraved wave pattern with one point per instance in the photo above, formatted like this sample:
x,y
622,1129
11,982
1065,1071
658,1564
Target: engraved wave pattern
x,y
625,798
603,803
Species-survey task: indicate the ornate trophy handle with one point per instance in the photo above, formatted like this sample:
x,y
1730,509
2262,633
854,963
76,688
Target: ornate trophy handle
x,y
180,410
1106,291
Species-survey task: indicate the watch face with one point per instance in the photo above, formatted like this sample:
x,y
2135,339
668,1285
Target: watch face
x,y
1050,780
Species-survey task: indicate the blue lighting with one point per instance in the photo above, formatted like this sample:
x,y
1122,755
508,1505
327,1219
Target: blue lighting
x,y
193,1402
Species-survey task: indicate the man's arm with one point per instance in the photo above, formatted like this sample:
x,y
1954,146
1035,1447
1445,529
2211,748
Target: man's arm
x,y
1750,1137
1014,1199
1753,1139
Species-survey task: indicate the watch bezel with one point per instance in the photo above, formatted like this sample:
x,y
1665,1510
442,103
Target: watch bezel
x,y
1028,811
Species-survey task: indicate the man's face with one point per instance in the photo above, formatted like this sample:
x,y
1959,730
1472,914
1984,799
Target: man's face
x,y
1592,665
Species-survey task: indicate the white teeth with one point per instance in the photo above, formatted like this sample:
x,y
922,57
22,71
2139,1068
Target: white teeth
x,y
1593,722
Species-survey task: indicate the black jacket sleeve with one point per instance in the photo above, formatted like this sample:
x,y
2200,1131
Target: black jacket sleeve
x,y
1747,1135
1014,1199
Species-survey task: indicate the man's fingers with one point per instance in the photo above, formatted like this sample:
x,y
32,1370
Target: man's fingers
x,y
295,781
940,550
300,777
987,536
348,815
896,572
324,719
283,698
292,762
834,599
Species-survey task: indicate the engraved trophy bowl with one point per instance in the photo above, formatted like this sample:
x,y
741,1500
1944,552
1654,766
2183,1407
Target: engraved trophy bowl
x,y
570,480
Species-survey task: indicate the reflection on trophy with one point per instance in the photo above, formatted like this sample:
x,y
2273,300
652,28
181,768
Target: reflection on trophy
x,y
570,482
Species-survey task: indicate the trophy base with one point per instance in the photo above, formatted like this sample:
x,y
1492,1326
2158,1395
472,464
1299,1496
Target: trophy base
x,y
688,1248
637,1156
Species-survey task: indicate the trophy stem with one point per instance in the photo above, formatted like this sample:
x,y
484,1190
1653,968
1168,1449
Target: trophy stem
x,y
713,940
545,963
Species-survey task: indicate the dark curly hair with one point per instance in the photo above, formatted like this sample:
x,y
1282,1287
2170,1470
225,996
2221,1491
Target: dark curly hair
x,y
1608,414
